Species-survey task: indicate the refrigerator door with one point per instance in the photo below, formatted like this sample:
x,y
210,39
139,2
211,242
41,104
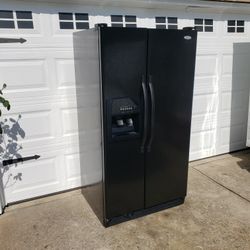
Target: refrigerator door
x,y
171,64
123,65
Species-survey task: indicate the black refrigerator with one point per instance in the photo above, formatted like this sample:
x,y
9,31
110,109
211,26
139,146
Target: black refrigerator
x,y
145,79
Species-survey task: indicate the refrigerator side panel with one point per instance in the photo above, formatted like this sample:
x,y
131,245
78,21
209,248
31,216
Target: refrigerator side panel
x,y
87,77
171,64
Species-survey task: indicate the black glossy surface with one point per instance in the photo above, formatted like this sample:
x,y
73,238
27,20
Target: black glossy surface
x,y
143,212
146,170
171,61
123,53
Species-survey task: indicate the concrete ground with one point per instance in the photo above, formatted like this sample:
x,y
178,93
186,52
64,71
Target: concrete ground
x,y
215,215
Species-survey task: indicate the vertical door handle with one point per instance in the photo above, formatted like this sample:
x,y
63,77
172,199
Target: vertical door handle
x,y
145,114
152,111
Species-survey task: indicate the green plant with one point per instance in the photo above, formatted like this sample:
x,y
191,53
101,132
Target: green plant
x,y
5,103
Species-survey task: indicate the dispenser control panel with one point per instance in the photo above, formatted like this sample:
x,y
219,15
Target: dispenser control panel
x,y
123,106
127,108
124,118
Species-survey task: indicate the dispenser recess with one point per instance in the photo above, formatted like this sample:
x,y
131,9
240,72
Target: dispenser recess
x,y
124,119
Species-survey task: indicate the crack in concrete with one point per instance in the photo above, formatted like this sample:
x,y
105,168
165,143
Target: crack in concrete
x,y
218,183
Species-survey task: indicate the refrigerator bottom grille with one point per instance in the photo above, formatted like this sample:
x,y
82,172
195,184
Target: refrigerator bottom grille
x,y
140,213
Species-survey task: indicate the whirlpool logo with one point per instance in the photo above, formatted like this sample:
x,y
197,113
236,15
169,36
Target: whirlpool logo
x,y
187,37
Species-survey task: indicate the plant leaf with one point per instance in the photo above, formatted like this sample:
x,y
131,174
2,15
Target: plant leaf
x,y
5,103
21,132
12,120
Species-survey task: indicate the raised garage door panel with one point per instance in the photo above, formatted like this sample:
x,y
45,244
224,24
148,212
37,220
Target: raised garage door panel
x,y
234,97
50,123
41,87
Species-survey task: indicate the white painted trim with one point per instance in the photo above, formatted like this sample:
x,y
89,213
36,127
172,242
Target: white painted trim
x,y
178,5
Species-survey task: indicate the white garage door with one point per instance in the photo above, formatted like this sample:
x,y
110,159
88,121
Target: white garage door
x,y
41,87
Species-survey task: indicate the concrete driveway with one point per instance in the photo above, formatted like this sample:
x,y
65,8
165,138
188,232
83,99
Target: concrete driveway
x,y
215,215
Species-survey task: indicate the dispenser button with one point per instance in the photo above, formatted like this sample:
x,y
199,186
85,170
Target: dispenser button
x,y
120,122
129,122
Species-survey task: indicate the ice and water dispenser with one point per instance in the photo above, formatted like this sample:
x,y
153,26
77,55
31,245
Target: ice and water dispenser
x,y
124,118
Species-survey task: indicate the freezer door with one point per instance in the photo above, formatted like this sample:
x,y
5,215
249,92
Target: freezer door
x,y
171,63
123,57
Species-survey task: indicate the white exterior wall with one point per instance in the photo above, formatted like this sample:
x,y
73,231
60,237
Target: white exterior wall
x,y
41,87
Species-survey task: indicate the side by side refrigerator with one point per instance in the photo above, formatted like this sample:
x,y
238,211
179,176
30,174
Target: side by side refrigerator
x,y
144,78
